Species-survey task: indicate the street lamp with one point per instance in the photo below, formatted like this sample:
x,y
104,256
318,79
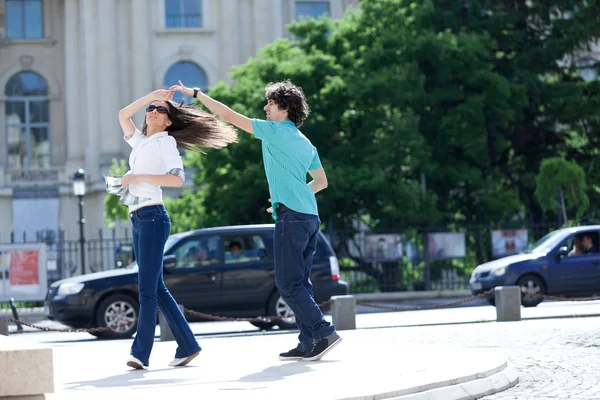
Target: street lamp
x,y
79,190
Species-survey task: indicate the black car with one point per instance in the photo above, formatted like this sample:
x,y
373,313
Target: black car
x,y
226,271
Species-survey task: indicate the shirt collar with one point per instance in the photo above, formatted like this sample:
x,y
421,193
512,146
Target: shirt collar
x,y
158,135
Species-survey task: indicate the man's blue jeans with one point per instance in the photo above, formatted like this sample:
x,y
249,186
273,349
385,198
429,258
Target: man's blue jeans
x,y
295,243
151,226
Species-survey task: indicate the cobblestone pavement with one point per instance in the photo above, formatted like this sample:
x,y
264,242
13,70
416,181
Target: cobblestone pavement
x,y
555,358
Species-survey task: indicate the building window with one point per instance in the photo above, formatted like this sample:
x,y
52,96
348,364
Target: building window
x,y
190,74
183,13
27,121
311,9
24,19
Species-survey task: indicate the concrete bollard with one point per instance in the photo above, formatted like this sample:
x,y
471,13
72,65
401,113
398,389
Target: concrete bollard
x,y
508,303
165,332
343,312
4,326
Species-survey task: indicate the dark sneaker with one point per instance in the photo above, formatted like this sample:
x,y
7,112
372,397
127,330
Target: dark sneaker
x,y
322,347
293,354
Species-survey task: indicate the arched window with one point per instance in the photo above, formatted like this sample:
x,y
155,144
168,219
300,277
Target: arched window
x,y
190,74
27,121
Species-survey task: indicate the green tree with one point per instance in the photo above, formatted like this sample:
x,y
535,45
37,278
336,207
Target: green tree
x,y
565,178
467,98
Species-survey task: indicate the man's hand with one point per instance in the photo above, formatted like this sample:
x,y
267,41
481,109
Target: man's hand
x,y
183,89
130,179
219,109
270,209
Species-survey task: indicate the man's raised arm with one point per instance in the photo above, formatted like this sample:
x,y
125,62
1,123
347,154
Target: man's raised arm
x,y
219,109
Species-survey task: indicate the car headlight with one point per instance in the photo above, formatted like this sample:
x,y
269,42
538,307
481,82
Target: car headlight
x,y
69,288
500,271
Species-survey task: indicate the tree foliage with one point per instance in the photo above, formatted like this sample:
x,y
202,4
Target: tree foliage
x,y
433,112
566,178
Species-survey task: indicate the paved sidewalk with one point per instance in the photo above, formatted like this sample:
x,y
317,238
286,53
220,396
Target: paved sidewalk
x,y
367,364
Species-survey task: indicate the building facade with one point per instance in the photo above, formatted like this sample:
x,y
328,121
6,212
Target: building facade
x,y
68,66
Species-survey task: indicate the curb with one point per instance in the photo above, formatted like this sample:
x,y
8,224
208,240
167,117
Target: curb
x,y
425,295
473,387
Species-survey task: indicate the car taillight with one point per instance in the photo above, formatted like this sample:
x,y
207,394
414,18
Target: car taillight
x,y
335,268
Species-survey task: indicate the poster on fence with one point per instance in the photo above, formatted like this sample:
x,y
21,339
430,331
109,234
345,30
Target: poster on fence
x,y
383,248
23,274
446,245
507,242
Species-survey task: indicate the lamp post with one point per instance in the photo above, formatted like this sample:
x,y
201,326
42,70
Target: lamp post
x,y
79,191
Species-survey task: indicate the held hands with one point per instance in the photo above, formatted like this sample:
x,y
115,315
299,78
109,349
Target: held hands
x,y
162,95
183,89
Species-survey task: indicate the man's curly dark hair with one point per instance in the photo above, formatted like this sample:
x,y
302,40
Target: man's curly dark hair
x,y
289,97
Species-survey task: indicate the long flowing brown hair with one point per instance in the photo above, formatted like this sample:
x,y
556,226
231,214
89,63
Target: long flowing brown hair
x,y
193,128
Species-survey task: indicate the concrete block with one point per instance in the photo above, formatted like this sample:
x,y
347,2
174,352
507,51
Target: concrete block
x,y
343,312
508,303
165,331
27,369
3,326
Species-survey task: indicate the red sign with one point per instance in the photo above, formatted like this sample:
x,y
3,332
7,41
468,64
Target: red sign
x,y
23,268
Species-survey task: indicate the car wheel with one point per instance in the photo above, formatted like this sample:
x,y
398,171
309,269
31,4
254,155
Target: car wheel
x,y
531,286
117,309
278,307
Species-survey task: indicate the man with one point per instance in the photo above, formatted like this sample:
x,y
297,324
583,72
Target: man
x,y
587,243
288,155
236,254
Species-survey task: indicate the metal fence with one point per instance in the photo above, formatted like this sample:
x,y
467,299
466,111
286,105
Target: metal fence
x,y
414,267
109,250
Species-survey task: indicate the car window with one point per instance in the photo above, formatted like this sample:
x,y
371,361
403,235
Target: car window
x,y
197,252
582,244
547,243
244,248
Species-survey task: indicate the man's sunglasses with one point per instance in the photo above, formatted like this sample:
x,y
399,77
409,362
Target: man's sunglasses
x,y
159,109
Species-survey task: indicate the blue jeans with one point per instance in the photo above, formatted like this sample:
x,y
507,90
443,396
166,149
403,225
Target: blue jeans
x,y
151,226
295,243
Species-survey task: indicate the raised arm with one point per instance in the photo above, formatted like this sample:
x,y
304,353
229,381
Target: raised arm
x,y
128,112
219,109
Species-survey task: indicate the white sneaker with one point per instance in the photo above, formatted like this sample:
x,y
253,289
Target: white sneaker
x,y
180,362
134,363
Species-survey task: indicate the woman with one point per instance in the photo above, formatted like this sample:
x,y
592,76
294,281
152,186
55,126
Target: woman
x,y
155,162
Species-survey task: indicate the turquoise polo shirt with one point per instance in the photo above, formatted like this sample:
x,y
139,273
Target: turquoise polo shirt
x,y
288,155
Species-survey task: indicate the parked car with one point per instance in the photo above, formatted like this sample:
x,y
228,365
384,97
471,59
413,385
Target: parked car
x,y
548,268
225,271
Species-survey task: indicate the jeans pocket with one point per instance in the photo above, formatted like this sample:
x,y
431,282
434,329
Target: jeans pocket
x,y
300,231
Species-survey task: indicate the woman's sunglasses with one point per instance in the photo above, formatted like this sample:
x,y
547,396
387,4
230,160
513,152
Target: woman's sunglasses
x,y
159,109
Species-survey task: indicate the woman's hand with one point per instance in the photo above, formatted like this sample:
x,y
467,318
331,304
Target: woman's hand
x,y
183,89
161,95
130,179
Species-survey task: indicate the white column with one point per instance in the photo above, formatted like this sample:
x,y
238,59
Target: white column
x,y
73,89
229,36
246,30
141,62
277,18
91,84
263,23
108,74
